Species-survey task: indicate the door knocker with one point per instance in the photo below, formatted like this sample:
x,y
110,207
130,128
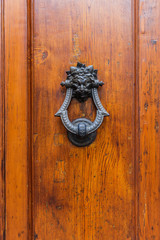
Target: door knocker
x,y
82,83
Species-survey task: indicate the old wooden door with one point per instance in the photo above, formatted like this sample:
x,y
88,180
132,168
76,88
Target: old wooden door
x,y
49,188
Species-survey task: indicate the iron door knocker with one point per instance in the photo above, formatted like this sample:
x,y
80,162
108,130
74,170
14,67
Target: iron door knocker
x,y
82,83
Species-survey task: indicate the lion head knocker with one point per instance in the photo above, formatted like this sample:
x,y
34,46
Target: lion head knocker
x,y
82,79
82,83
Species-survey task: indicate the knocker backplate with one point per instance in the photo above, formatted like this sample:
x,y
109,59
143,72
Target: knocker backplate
x,y
81,141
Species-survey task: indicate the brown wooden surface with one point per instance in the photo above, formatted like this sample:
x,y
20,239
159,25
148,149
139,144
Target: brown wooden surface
x,y
149,105
2,164
16,94
50,189
85,193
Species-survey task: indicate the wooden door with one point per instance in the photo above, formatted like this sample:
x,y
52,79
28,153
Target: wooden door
x,y
49,188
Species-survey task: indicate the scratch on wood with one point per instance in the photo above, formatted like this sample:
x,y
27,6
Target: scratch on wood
x,y
146,106
156,127
76,45
58,139
41,55
35,135
35,236
145,209
59,172
76,49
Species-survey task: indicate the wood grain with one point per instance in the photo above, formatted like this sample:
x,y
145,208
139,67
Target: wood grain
x,y
85,193
16,95
2,163
149,105
50,189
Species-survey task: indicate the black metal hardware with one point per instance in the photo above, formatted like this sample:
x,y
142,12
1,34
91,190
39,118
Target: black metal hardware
x,y
82,83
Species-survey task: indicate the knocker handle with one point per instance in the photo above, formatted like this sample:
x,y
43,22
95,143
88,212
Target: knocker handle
x,y
82,83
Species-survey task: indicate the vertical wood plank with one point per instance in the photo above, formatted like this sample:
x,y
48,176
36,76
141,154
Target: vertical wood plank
x,y
16,97
2,163
136,126
149,106
29,150
83,193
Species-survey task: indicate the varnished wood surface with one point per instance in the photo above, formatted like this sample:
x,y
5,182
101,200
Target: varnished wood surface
x,y
2,164
50,189
149,105
16,94
85,193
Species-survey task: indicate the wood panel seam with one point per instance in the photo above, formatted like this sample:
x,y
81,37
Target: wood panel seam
x,y
3,193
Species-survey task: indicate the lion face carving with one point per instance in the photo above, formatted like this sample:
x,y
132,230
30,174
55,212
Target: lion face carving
x,y
82,79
